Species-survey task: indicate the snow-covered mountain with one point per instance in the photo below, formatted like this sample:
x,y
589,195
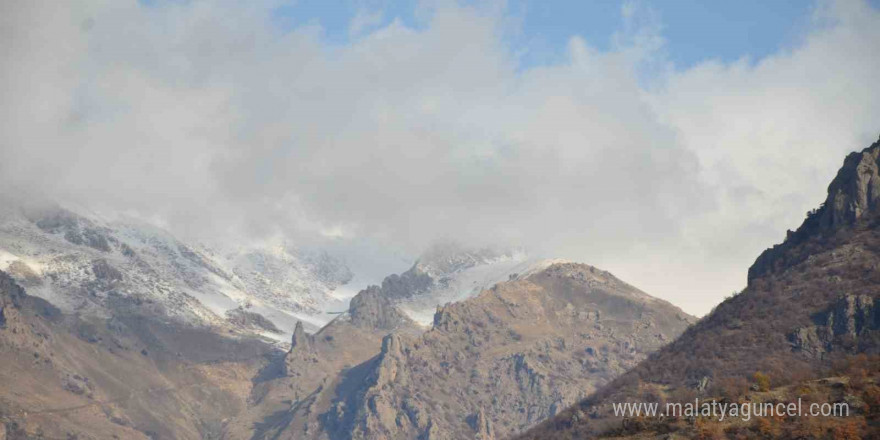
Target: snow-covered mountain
x,y
449,272
88,265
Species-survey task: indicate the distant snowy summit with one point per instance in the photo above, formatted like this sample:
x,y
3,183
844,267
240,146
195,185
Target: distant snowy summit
x,y
450,272
88,265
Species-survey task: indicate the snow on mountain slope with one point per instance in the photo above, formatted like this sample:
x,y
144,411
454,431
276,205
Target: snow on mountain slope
x,y
457,274
88,265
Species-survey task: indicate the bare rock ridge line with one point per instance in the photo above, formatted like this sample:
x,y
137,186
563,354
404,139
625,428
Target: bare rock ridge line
x,y
809,312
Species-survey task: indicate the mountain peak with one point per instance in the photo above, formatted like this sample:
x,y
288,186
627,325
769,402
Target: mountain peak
x,y
853,196
855,191
300,338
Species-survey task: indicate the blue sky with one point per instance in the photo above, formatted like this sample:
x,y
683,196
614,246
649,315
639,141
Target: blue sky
x,y
694,30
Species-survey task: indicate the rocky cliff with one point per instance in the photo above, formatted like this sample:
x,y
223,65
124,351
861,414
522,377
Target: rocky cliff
x,y
853,198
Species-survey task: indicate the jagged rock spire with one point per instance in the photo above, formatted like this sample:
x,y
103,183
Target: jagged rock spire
x,y
300,340
300,353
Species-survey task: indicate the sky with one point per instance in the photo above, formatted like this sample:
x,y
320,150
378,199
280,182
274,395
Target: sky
x,y
694,30
666,142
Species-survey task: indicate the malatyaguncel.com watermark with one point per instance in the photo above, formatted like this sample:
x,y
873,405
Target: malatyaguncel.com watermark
x,y
724,410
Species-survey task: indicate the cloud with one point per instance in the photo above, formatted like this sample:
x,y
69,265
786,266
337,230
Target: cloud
x,y
208,116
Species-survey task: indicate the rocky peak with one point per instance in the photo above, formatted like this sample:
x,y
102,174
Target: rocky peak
x,y
300,340
853,195
371,308
391,361
854,192
301,352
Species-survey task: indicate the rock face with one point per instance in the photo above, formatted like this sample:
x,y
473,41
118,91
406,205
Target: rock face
x,y
301,352
243,318
855,192
853,195
375,308
851,323
810,301
11,295
320,374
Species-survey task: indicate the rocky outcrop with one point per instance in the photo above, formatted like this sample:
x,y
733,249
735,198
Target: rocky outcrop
x,y
251,320
850,324
853,195
11,296
301,353
300,340
855,192
384,415
373,308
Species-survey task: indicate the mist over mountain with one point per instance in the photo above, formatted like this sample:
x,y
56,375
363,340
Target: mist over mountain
x,y
436,219
412,131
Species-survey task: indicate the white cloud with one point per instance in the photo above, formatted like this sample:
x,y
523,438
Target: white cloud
x,y
204,114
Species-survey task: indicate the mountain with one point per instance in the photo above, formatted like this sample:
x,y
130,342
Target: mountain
x,y
490,365
810,312
84,264
115,328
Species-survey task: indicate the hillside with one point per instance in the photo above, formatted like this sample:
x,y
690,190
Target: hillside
x,y
810,304
127,377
